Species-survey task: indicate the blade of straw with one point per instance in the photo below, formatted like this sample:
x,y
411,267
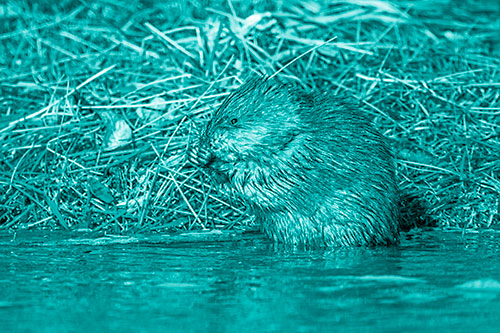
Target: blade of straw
x,y
303,54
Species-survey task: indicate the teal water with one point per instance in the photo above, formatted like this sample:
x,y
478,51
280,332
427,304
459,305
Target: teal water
x,y
434,281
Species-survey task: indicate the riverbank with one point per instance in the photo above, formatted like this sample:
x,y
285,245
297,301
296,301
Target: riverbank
x,y
100,102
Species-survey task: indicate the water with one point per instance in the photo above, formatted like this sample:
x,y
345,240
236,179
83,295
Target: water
x,y
433,281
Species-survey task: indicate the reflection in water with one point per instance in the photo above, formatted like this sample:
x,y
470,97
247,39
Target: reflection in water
x,y
432,280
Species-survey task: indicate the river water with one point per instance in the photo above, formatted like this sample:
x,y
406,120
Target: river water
x,y
433,281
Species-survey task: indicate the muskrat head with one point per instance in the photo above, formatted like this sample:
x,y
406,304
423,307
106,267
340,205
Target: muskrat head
x,y
252,129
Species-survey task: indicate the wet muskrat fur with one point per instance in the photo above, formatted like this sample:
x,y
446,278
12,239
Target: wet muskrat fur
x,y
310,166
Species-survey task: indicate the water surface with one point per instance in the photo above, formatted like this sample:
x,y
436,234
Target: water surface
x,y
433,281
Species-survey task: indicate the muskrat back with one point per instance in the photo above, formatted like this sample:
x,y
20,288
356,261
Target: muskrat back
x,y
310,166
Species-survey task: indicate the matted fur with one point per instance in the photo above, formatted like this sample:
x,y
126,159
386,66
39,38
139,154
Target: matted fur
x,y
313,170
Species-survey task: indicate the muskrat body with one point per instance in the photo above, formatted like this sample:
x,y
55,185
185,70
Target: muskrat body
x,y
312,169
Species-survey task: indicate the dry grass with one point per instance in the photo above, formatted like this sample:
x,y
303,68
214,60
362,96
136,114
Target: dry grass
x,y
100,100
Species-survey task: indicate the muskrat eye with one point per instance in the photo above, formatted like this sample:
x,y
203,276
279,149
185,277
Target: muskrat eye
x,y
233,121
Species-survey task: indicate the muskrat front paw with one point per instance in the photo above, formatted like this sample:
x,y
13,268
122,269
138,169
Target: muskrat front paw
x,y
200,156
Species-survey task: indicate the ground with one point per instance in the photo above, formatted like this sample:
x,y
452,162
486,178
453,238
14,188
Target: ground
x,y
99,102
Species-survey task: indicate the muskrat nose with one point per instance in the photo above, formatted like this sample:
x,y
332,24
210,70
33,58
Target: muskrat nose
x,y
200,156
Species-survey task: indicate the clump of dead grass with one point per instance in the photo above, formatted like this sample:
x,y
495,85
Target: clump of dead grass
x,y
100,102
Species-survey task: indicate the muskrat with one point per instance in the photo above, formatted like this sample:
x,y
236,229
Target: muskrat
x,y
310,166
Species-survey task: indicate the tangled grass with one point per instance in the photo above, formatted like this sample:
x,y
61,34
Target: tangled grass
x,y
99,102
